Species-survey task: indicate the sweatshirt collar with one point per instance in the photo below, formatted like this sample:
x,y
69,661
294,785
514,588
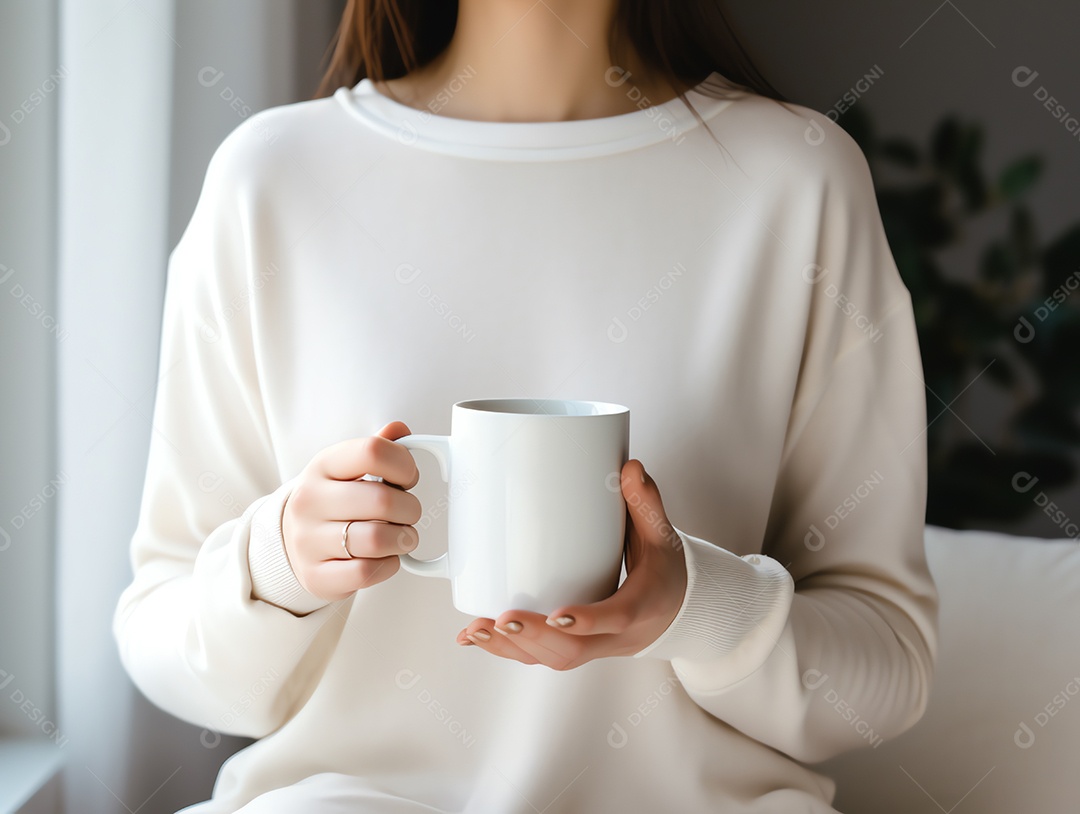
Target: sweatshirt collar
x,y
539,141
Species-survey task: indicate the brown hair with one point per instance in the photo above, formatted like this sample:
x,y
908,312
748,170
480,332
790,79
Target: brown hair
x,y
682,40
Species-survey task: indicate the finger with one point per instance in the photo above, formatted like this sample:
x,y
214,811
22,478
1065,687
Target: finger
x,y
615,614
482,634
553,647
645,508
355,500
337,579
394,430
374,539
374,455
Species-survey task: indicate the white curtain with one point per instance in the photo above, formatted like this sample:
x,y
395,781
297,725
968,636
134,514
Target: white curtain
x,y
136,129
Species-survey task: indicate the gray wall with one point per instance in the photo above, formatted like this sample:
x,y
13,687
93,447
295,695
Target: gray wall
x,y
204,116
29,339
814,52
938,58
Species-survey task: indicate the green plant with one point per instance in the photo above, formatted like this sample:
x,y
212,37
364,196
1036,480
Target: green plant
x,y
1014,321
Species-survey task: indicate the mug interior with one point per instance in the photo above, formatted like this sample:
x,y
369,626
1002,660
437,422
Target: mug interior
x,y
560,407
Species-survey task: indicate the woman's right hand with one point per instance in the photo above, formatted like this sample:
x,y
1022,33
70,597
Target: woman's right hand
x,y
329,493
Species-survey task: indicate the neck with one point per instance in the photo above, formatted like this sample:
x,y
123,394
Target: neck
x,y
527,61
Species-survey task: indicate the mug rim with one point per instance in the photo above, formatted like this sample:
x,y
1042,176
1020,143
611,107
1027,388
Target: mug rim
x,y
602,408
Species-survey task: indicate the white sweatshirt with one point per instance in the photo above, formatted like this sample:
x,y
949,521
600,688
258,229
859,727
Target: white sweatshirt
x,y
353,261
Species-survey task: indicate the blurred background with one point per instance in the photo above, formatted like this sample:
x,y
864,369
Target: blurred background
x,y
109,111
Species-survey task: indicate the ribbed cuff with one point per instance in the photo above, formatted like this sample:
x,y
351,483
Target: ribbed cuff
x,y
735,608
272,577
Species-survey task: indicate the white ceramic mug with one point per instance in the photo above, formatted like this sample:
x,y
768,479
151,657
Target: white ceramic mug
x,y
536,516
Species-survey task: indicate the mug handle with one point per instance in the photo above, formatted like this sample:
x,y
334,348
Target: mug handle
x,y
439,446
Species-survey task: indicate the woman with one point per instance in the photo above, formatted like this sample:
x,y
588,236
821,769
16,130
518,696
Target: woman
x,y
492,202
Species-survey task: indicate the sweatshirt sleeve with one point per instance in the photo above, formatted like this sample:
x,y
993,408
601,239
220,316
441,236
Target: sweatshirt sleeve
x,y
826,641
191,632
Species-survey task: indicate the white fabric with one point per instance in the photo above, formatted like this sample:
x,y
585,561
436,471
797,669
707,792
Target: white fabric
x,y
352,261
1002,730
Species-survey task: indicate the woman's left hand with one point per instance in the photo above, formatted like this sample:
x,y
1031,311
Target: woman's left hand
x,y
626,622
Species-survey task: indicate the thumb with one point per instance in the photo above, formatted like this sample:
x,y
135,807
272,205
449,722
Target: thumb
x,y
650,524
394,430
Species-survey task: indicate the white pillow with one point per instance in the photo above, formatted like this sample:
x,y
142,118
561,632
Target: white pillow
x,y
1002,731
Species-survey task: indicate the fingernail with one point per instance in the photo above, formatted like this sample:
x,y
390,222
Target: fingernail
x,y
482,635
561,621
510,627
644,476
466,643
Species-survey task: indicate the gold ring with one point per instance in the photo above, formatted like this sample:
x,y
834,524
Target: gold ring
x,y
345,539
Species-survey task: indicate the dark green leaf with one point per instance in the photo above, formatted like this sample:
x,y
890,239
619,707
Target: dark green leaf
x,y
972,321
900,151
997,264
970,147
973,483
1000,371
1023,235
1061,261
1053,469
916,213
969,179
857,124
1018,177
962,326
945,143
1059,361
1045,425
